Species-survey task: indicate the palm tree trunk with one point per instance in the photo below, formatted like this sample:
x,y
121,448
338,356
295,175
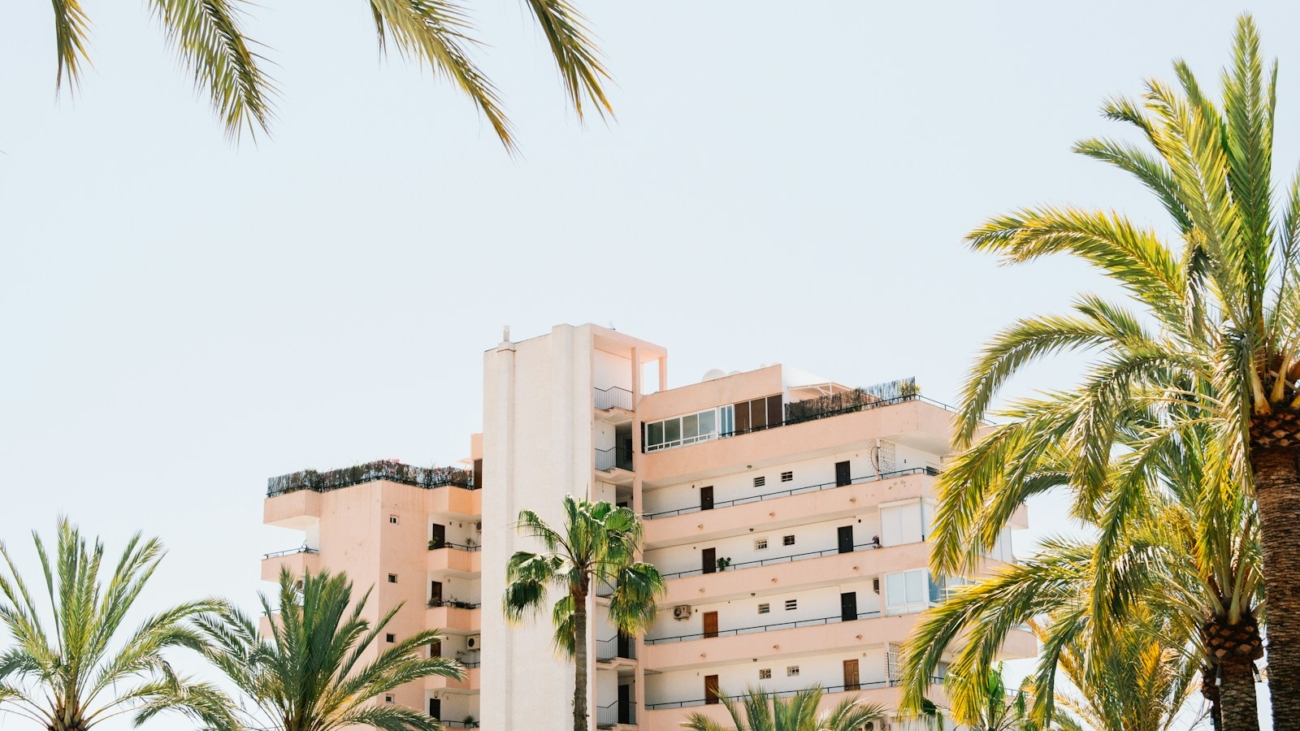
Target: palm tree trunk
x,y
581,639
1277,492
1210,689
1237,696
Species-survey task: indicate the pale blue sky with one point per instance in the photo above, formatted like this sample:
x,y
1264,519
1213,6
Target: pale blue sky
x,y
181,317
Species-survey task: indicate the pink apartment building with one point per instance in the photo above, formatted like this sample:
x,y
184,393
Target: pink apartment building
x,y
787,512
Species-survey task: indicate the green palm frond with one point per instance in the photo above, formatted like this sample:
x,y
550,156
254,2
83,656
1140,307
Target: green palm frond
x,y
575,53
209,37
71,27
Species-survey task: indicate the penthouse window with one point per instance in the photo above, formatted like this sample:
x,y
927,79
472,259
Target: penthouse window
x,y
765,674
689,429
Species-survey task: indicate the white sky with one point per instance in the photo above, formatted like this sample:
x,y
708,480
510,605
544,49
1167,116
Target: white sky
x,y
181,318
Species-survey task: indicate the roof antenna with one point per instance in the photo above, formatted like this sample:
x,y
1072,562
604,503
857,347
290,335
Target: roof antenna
x,y
505,334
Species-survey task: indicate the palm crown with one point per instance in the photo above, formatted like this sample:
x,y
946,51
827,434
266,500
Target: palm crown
x,y
597,547
85,667
320,669
761,710
1211,350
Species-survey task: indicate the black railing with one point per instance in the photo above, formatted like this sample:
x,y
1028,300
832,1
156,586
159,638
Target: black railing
x,y
616,713
613,398
759,628
849,688
614,457
771,561
291,551
387,469
435,545
615,648
459,724
435,603
931,471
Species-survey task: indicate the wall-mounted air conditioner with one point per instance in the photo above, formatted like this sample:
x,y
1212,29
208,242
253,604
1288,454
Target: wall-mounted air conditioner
x,y
474,642
682,612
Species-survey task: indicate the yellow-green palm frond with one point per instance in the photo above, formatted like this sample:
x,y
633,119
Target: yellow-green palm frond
x,y
576,55
71,28
436,33
210,39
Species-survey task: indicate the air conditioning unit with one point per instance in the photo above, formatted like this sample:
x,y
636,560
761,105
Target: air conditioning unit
x,y
682,612
474,642
479,526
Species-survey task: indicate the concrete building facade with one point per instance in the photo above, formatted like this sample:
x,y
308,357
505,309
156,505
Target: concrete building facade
x,y
788,514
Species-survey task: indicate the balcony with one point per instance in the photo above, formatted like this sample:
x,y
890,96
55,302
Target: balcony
x,y
470,683
615,715
297,560
456,620
805,570
614,399
825,501
456,559
913,421
794,639
616,465
614,649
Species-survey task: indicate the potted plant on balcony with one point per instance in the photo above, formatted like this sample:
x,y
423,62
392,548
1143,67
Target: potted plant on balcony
x,y
723,563
436,543
470,722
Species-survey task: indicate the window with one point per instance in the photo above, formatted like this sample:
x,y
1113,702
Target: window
x,y
390,638
791,605
792,671
689,429
765,674
787,541
392,519
760,481
764,608
392,578
901,524
787,476
760,544
388,699
906,592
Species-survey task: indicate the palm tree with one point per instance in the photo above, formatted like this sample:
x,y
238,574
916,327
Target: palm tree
x,y
1224,356
84,667
598,547
992,708
209,38
320,669
762,710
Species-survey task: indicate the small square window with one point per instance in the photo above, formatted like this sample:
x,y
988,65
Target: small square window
x,y
760,544
787,541
392,519
388,699
392,578
791,605
764,608
760,481
390,637
792,671
765,674
787,476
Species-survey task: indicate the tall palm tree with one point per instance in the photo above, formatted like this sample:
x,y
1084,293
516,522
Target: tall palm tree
x,y
209,38
83,667
761,710
597,546
1225,351
991,707
321,670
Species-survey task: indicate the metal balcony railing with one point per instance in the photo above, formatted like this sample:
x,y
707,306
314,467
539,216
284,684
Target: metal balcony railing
x,y
615,648
616,714
459,724
291,552
612,458
758,628
436,544
862,685
779,559
931,471
613,398
435,603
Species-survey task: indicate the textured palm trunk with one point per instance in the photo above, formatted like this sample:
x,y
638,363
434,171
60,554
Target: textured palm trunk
x,y
1277,492
1210,690
580,659
1237,696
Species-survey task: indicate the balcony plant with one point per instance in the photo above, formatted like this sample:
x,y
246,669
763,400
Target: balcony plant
x,y
724,562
